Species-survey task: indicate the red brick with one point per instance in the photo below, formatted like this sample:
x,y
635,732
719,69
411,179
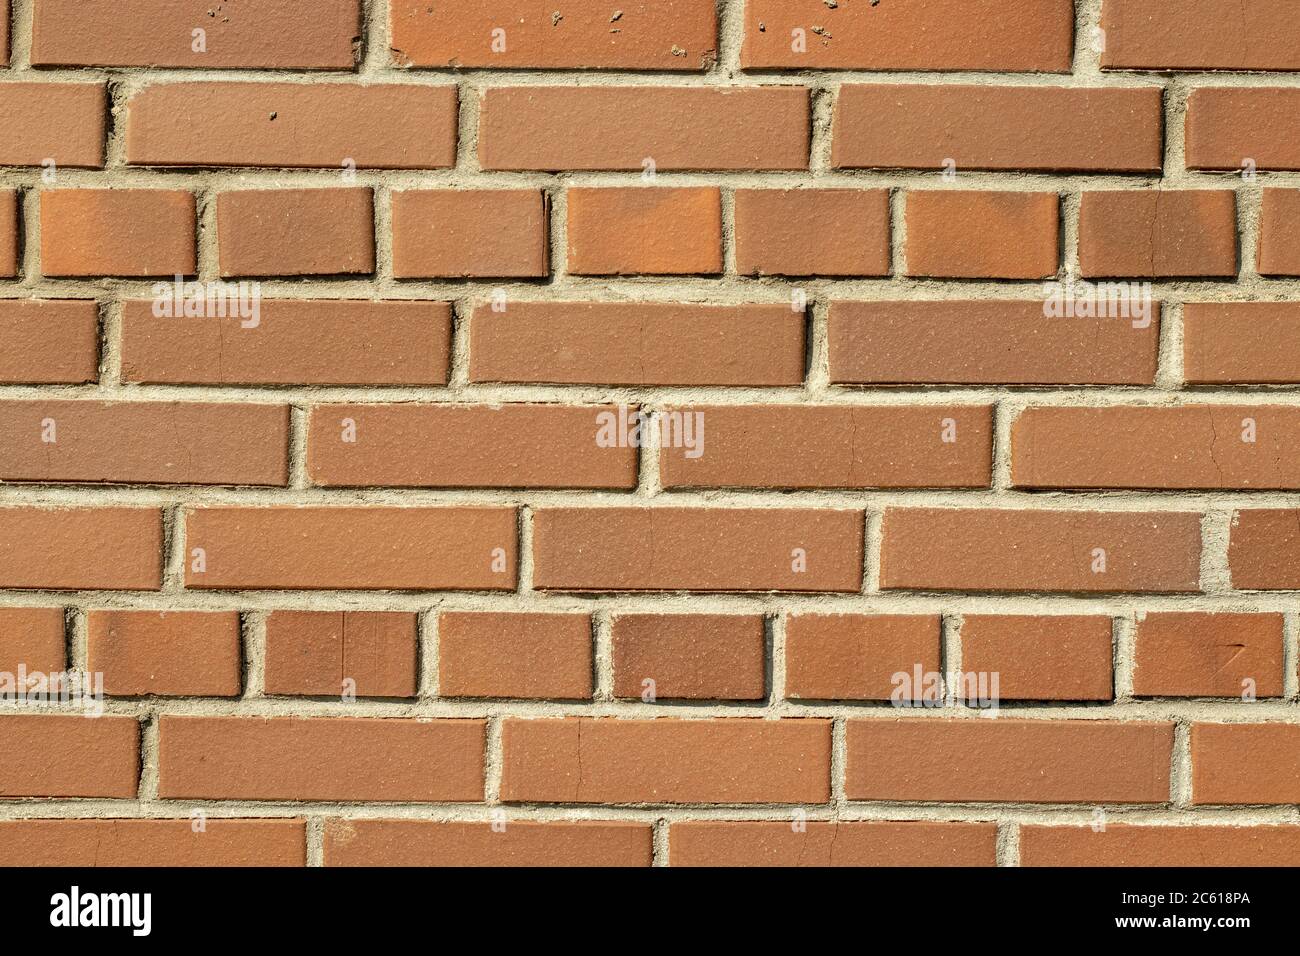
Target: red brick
x,y
59,122
1200,35
841,843
586,760
904,126
1155,233
805,446
1034,36
1057,657
33,639
1279,236
986,343
634,231
1264,550
150,843
1240,343
10,234
335,758
982,235
170,654
374,126
697,549
689,656
466,446
261,34
296,232
643,35
451,233
69,756
519,843
812,232
145,442
1245,763
4,32
612,343
857,656
75,549
1228,128
341,653
311,342
621,127
515,655
1007,760
117,232
1173,447
48,341
1130,845
1191,654
967,549
352,548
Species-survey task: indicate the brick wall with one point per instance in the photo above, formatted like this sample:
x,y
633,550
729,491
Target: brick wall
x,y
781,431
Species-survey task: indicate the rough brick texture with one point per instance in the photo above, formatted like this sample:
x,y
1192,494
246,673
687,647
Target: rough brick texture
x,y
664,432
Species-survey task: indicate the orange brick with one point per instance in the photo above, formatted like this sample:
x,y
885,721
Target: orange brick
x,y
595,760
1247,128
117,232
812,232
341,653
328,758
515,655
146,442
170,654
48,342
466,446
1279,237
449,233
647,231
905,126
296,232
261,34
803,446
697,549
150,843
1158,233
964,549
1264,550
312,342
982,235
75,549
637,344
286,548
624,127
1245,763
1035,36
689,656
1187,446
1007,760
1129,845
10,233
520,843
1057,657
1240,343
62,123
843,843
986,343
1200,35
858,656
642,35
33,639
52,755
1192,654
371,126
